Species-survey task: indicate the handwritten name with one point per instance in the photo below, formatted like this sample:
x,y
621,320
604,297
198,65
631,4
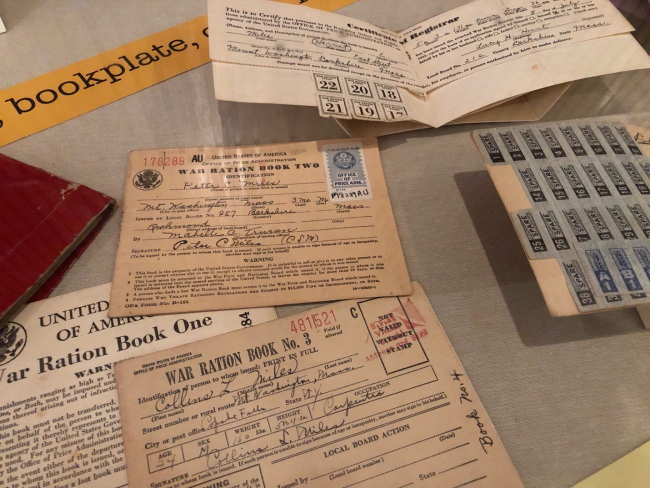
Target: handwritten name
x,y
180,399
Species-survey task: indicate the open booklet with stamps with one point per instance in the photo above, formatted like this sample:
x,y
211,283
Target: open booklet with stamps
x,y
485,61
220,228
59,420
362,393
578,194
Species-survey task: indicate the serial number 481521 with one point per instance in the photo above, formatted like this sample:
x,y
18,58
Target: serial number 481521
x,y
313,321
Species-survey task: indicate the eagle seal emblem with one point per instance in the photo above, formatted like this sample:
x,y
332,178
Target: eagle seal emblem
x,y
344,160
147,179
13,338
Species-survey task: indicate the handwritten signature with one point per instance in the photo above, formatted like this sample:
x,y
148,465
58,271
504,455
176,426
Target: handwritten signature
x,y
185,245
302,432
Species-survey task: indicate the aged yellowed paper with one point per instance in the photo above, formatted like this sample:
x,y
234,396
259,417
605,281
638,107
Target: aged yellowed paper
x,y
59,421
467,60
363,393
220,228
436,51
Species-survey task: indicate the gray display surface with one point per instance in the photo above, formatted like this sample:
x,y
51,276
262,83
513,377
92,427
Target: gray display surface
x,y
568,396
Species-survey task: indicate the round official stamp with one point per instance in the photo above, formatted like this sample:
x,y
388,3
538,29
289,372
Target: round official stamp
x,y
13,338
344,160
147,179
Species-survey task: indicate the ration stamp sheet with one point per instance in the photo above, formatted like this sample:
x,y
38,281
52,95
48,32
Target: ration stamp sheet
x,y
362,393
222,228
585,191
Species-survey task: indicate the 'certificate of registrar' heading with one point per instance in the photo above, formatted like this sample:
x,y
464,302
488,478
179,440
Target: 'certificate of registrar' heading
x,y
222,228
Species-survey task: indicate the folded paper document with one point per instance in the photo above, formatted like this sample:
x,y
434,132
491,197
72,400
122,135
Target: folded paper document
x,y
578,195
450,66
363,393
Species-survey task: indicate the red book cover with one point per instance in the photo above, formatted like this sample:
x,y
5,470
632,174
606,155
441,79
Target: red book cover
x,y
46,223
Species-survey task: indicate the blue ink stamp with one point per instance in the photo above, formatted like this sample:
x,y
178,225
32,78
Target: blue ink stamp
x,y
643,255
625,269
601,271
347,175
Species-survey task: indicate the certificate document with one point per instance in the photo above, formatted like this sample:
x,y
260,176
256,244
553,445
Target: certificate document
x,y
59,420
221,228
431,53
362,393
467,60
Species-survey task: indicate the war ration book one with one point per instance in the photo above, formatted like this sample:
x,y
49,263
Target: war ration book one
x,y
59,420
